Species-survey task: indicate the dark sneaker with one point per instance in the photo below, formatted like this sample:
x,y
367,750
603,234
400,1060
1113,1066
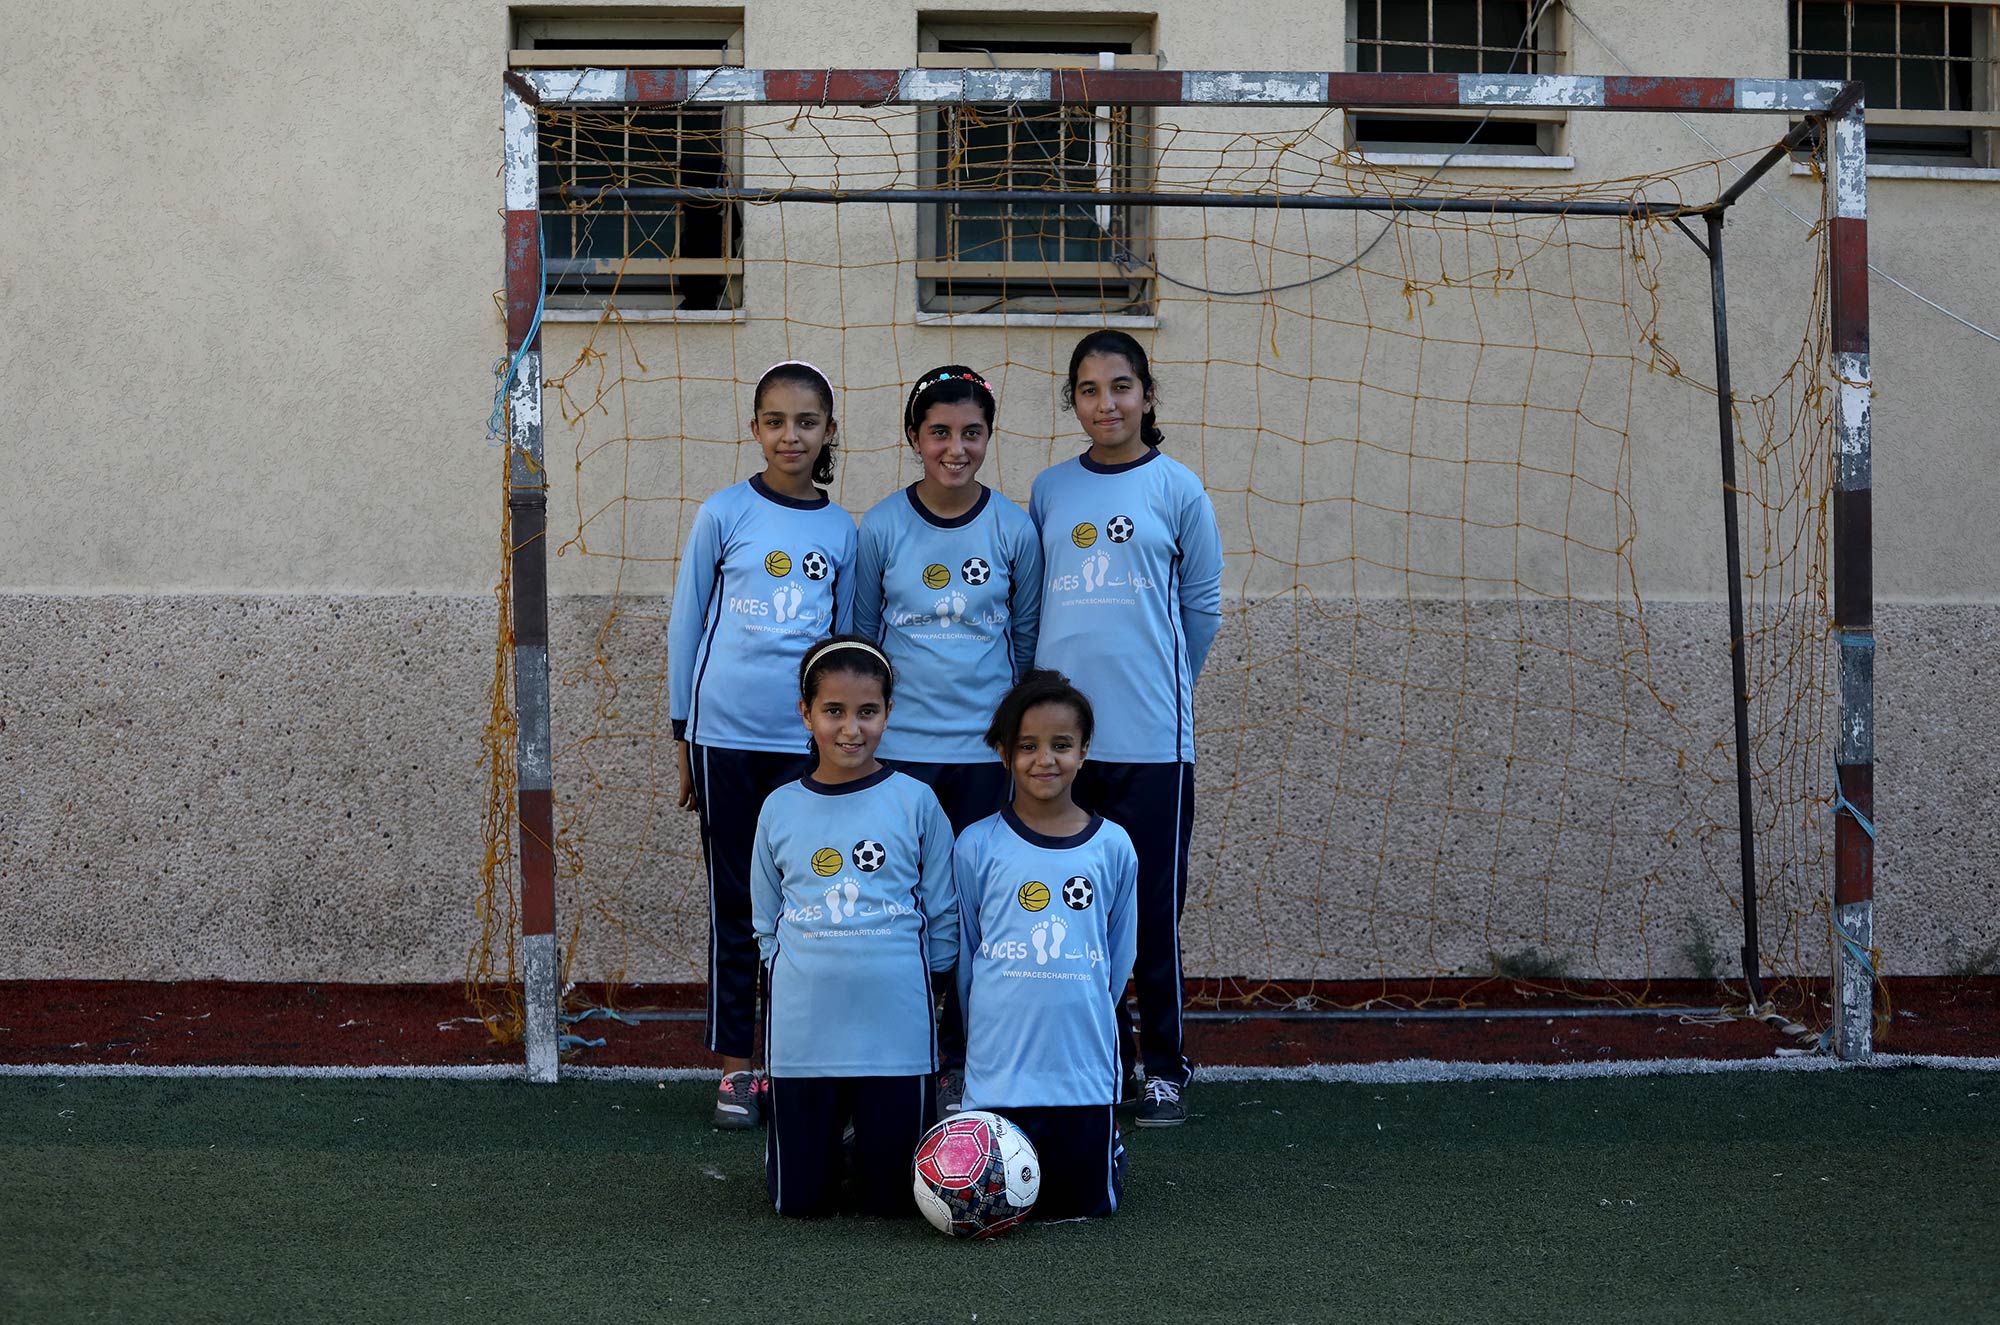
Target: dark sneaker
x,y
950,1091
1163,1106
737,1107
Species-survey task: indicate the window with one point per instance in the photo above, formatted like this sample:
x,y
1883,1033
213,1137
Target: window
x,y
1454,37
649,256
1929,70
989,257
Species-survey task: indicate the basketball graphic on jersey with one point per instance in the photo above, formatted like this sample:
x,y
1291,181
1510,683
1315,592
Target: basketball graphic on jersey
x,y
1119,528
975,571
778,564
826,862
936,576
1077,893
1084,534
814,565
868,856
1034,895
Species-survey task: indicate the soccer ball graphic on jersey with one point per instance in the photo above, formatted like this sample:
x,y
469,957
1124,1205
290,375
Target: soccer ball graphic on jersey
x,y
868,856
975,571
975,1175
814,565
1119,528
1077,893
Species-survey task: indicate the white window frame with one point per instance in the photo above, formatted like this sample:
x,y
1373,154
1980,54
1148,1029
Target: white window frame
x,y
1077,44
646,42
1981,120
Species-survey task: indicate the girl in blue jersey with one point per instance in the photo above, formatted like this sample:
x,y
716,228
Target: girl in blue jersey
x,y
1047,930
1132,599
768,569
949,579
853,909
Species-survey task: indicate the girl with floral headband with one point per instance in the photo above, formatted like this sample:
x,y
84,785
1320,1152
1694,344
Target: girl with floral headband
x,y
767,570
948,580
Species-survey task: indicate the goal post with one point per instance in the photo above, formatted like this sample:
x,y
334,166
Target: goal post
x,y
1818,105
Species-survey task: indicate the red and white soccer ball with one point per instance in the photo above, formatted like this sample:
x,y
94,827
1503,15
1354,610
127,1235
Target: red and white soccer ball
x,y
976,1175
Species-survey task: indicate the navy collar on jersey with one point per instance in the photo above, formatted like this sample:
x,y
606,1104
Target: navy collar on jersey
x,y
875,779
1095,467
956,521
763,489
1035,839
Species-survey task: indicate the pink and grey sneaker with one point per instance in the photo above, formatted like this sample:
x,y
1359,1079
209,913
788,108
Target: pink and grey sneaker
x,y
737,1106
950,1091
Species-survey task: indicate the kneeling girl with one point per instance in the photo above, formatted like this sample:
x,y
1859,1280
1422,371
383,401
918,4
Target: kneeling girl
x,y
1047,932
853,909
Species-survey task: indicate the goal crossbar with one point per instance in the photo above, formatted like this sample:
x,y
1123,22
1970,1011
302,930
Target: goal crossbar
x,y
1833,122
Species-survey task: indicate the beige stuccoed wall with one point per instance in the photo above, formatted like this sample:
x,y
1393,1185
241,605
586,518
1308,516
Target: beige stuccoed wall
x,y
248,255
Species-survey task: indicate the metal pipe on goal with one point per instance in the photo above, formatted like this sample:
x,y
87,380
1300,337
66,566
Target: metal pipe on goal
x,y
1843,152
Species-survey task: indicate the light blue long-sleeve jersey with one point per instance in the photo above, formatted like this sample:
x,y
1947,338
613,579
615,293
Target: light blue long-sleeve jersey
x,y
1047,932
956,604
762,577
852,902
1132,597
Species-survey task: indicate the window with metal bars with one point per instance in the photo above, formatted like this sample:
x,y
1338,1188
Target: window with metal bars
x,y
1454,37
1011,256
642,255
1929,70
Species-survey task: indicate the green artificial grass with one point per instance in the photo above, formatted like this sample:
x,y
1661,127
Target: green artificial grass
x,y
1873,1195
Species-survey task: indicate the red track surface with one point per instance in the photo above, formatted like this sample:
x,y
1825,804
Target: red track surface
x,y
212,1022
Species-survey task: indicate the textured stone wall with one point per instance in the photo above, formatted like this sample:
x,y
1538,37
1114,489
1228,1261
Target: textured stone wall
x,y
289,788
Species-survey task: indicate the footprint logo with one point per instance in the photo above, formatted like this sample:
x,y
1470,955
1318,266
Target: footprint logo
x,y
1039,936
785,601
1096,570
798,596
840,901
1057,932
951,611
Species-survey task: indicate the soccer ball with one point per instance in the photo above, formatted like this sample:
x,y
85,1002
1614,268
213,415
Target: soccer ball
x,y
975,571
1119,529
814,565
975,1175
1077,893
868,856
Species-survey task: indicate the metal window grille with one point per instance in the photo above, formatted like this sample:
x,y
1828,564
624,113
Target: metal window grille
x,y
1445,37
1911,56
1046,148
670,253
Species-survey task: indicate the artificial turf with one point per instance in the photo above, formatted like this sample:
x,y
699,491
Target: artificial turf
x,y
1752,1196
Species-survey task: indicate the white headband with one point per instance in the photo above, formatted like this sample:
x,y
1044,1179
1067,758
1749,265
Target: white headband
x,y
801,363
838,645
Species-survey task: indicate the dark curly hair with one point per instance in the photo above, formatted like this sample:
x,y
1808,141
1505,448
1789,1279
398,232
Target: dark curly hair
x,y
1040,686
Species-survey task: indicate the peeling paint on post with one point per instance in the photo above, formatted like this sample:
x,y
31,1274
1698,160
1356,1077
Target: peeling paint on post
x,y
574,85
730,85
1778,94
1854,963
1580,91
1251,87
528,503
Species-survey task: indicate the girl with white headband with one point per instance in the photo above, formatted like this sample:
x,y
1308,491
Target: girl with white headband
x,y
767,570
855,914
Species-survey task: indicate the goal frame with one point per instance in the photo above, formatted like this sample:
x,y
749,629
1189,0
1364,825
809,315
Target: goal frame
x,y
1842,153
